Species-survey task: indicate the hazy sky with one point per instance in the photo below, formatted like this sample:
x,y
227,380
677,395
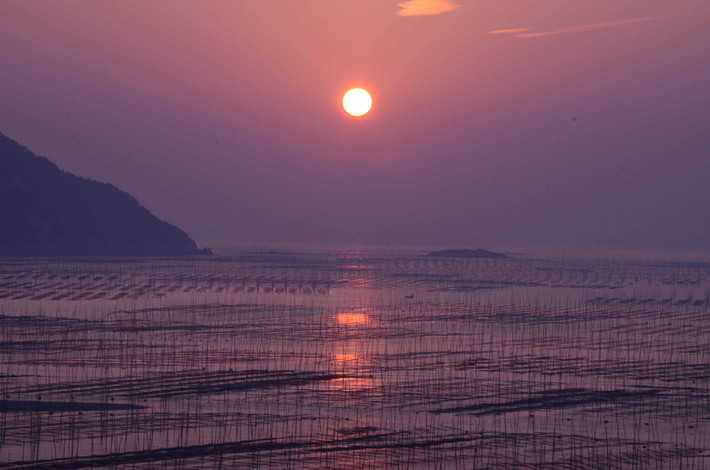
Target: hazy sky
x,y
495,122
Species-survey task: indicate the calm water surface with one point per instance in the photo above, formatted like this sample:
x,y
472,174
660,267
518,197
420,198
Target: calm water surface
x,y
356,357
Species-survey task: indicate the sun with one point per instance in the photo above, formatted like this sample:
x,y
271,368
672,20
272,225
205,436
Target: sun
x,y
357,102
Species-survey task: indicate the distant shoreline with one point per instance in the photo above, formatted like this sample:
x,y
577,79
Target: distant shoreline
x,y
477,253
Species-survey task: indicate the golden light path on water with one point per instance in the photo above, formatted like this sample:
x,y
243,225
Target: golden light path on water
x,y
353,359
352,318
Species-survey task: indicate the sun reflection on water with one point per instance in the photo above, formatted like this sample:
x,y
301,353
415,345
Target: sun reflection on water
x,y
353,360
346,358
356,376
352,318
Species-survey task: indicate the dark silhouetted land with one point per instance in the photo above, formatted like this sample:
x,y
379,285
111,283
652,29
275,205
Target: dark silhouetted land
x,y
45,211
477,253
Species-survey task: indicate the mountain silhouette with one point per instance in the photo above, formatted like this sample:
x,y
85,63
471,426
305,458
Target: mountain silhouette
x,y
45,211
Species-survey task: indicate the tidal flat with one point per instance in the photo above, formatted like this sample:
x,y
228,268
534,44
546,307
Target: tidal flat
x,y
292,357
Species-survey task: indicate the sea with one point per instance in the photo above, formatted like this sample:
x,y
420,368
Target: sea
x,y
300,356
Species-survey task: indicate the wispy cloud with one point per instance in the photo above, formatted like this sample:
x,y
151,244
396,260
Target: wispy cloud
x,y
508,31
525,33
425,7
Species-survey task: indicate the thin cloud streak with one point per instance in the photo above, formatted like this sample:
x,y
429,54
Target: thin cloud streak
x,y
508,31
521,32
586,27
425,7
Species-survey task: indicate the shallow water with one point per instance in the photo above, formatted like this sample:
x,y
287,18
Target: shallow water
x,y
356,357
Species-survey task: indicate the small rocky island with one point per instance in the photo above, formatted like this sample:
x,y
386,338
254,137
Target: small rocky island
x,y
45,211
477,253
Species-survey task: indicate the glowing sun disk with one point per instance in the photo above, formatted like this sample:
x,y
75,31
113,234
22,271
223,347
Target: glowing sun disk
x,y
357,102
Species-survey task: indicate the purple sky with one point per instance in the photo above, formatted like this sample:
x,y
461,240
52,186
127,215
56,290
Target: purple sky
x,y
225,118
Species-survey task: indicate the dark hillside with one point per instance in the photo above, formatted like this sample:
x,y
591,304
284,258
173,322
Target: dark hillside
x,y
48,212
